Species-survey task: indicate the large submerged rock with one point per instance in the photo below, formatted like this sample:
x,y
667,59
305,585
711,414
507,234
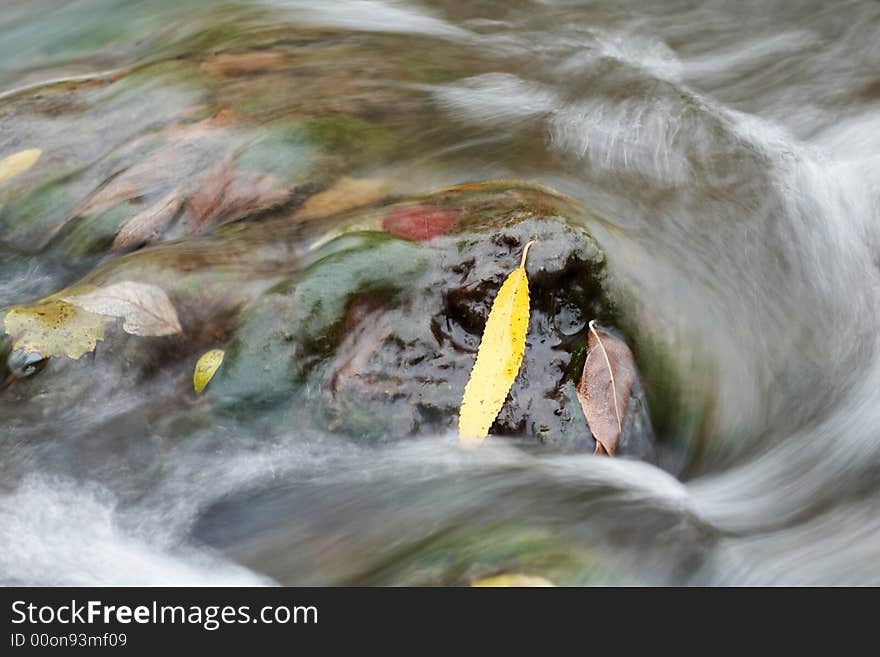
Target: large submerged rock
x,y
379,335
372,330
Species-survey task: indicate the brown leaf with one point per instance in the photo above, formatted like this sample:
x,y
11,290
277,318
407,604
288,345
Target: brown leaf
x,y
230,64
164,169
142,227
346,194
226,195
605,386
220,120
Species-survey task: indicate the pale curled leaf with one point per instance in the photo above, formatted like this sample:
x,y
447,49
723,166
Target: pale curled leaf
x,y
146,308
17,163
54,328
512,580
605,386
498,358
206,367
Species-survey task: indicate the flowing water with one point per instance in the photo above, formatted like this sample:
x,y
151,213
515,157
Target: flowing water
x,y
733,153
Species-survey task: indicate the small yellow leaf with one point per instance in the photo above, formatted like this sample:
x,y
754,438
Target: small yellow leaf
x,y
55,328
512,580
18,163
206,367
498,358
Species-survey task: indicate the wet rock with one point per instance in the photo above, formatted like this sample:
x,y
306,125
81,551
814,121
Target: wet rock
x,y
370,333
285,333
378,338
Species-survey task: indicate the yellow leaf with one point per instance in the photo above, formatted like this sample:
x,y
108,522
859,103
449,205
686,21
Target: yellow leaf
x,y
515,580
17,163
55,328
206,367
498,358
